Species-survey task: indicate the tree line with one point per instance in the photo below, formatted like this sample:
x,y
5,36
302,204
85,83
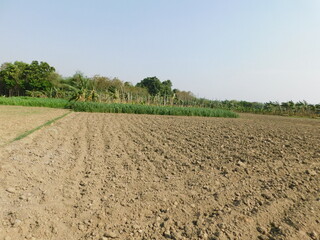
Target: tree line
x,y
42,80
39,79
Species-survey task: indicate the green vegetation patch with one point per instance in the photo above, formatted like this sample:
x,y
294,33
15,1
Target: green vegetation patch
x,y
116,107
34,102
149,109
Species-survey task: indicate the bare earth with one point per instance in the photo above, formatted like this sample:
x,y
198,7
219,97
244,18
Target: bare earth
x,y
117,176
16,120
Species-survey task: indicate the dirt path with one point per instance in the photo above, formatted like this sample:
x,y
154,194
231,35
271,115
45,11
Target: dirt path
x,y
105,176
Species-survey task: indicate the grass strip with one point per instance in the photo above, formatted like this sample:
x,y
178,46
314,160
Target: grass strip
x,y
34,102
37,128
117,107
149,109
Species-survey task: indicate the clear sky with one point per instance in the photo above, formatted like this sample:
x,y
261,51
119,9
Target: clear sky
x,y
254,50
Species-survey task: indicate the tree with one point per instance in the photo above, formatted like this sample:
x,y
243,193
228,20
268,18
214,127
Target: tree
x,y
11,78
152,84
78,80
101,83
184,97
37,76
82,88
166,88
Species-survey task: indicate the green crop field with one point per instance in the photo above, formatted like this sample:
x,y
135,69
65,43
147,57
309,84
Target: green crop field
x,y
147,109
34,102
117,107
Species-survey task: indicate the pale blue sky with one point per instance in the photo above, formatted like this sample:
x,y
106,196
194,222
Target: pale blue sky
x,y
254,50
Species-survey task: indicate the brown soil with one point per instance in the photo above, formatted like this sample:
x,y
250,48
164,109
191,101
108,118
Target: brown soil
x,y
16,120
116,176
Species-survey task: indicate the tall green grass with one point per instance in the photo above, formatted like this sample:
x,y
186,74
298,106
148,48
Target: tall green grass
x,y
147,109
34,102
117,107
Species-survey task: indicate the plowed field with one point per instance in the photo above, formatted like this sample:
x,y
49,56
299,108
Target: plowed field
x,y
117,176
